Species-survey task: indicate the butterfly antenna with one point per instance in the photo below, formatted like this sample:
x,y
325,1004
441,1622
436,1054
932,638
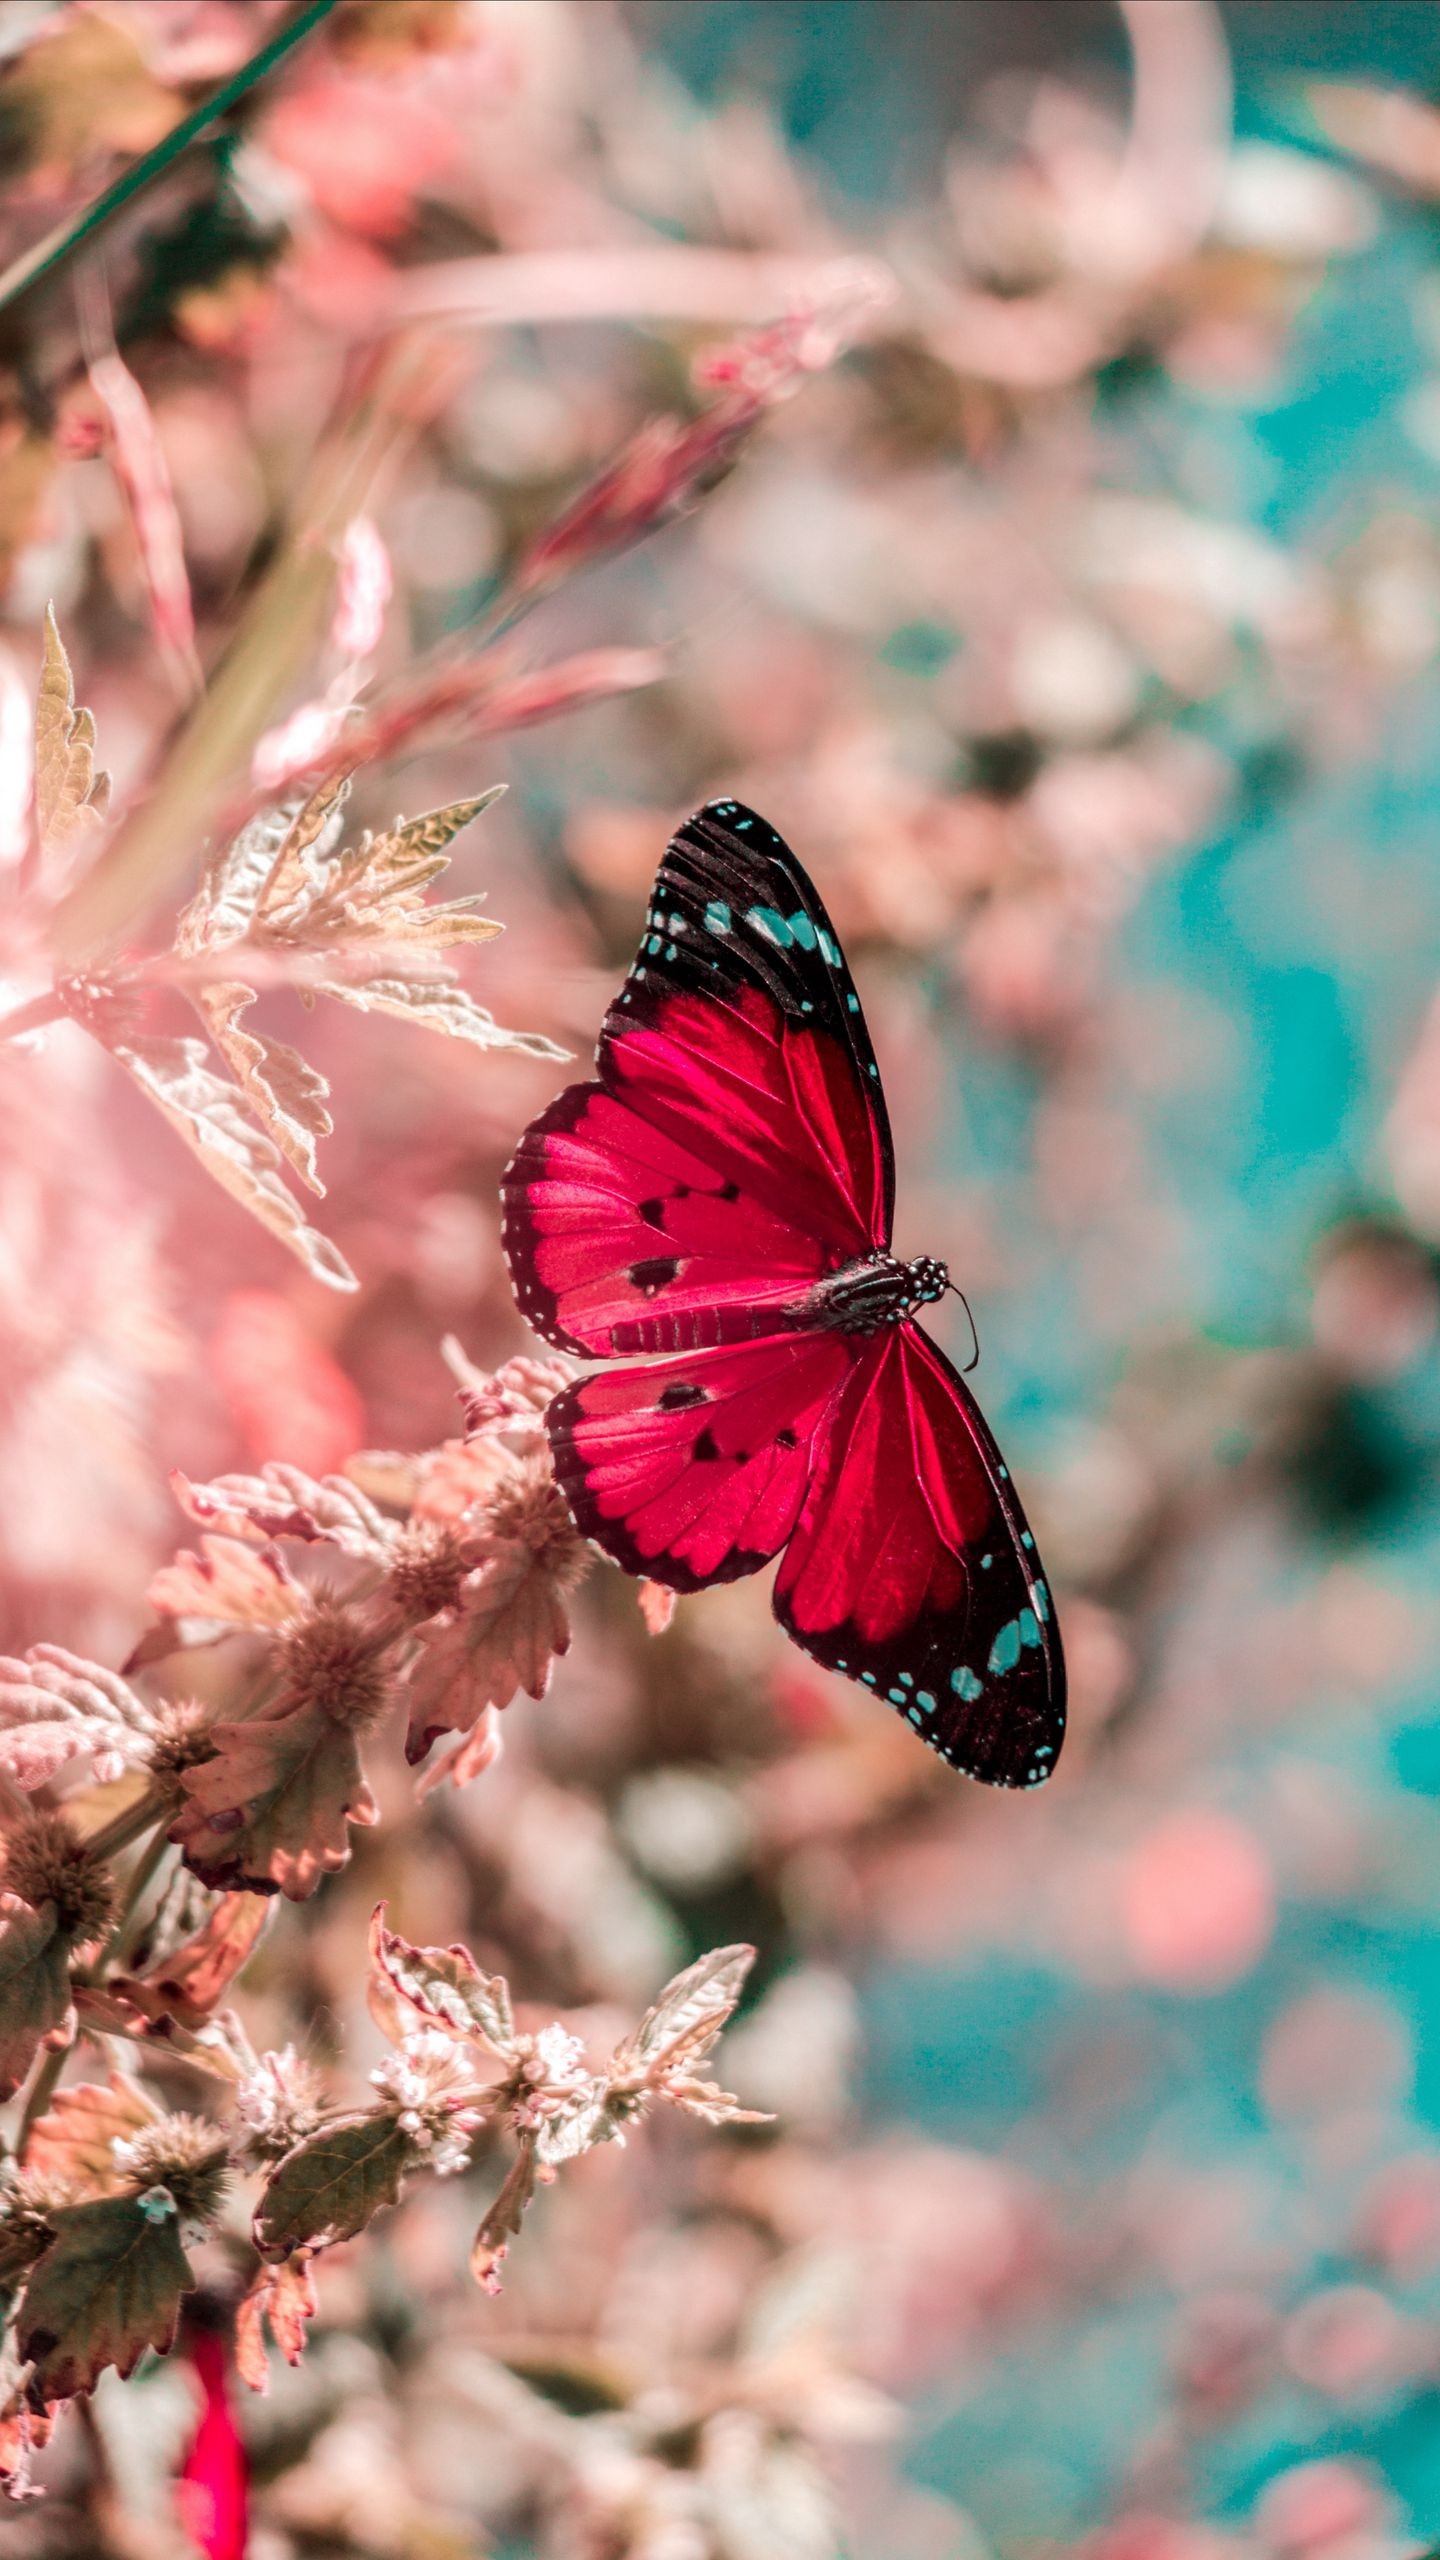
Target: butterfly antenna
x,y
973,1361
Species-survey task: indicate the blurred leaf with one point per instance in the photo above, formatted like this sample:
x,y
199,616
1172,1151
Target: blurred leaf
x,y
73,2143
56,1707
70,796
283,1502
286,1095
332,2184
187,1983
283,2295
34,1985
272,1808
225,1590
209,1115
511,1626
444,1986
107,2288
504,2218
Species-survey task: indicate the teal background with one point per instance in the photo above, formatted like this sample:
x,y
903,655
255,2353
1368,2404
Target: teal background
x,y
1308,923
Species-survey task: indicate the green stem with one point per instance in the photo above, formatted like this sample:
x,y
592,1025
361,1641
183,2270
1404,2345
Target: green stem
x,y
42,2090
153,1806
61,243
140,1876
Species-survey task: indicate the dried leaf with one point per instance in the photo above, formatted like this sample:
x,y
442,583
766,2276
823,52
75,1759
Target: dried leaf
x,y
210,1116
332,2184
34,1985
438,1004
691,2010
271,1810
227,1586
73,2142
504,2218
55,1707
286,1095
271,848
511,1627
283,1502
444,1986
70,796
187,1983
107,2288
283,2295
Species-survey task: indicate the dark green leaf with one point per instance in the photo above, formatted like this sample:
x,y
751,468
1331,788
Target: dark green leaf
x,y
330,2185
107,2288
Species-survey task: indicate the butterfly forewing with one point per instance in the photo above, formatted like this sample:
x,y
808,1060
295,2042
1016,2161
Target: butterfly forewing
x,y
734,1147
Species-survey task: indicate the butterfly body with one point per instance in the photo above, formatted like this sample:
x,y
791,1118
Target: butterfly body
x,y
719,1199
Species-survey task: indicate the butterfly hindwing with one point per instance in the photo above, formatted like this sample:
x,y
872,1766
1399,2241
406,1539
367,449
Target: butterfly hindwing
x,y
912,1569
734,1146
694,1471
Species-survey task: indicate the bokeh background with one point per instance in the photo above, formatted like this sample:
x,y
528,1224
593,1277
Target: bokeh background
x,y
1080,627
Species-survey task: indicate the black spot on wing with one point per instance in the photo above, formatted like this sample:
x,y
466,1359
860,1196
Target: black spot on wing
x,y
653,1276
676,1398
706,1445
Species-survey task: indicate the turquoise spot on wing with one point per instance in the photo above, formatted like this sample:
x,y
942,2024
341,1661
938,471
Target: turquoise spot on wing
x,y
1005,1651
802,930
896,1697
1025,1538
1029,1626
717,916
965,1684
925,1700
854,1003
770,922
830,949
869,1679
1041,1598
652,942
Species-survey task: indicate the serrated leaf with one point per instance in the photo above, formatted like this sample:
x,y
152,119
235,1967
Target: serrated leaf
x,y
210,1116
107,2288
70,796
277,857
512,1625
504,2218
438,1004
283,1502
286,1094
272,1808
34,1985
56,1707
444,1986
227,1586
332,2184
692,2009
187,1983
74,2142
283,2295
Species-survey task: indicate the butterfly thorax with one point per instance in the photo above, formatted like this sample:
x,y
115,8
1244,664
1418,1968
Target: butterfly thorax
x,y
876,1290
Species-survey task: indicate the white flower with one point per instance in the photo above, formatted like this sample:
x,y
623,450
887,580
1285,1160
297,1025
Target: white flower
x,y
428,2082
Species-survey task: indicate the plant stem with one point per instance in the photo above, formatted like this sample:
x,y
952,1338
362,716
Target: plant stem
x,y
127,1826
66,238
32,1016
140,1875
42,2090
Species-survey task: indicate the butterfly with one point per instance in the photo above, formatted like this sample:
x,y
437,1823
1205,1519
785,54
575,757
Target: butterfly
x,y
720,1200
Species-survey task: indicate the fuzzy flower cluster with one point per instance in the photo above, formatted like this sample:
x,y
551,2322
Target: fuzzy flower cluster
x,y
427,2083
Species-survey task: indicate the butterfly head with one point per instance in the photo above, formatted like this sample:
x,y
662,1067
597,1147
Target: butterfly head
x,y
928,1278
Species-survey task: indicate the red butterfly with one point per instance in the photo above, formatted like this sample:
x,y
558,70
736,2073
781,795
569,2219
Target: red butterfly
x,y
723,1192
